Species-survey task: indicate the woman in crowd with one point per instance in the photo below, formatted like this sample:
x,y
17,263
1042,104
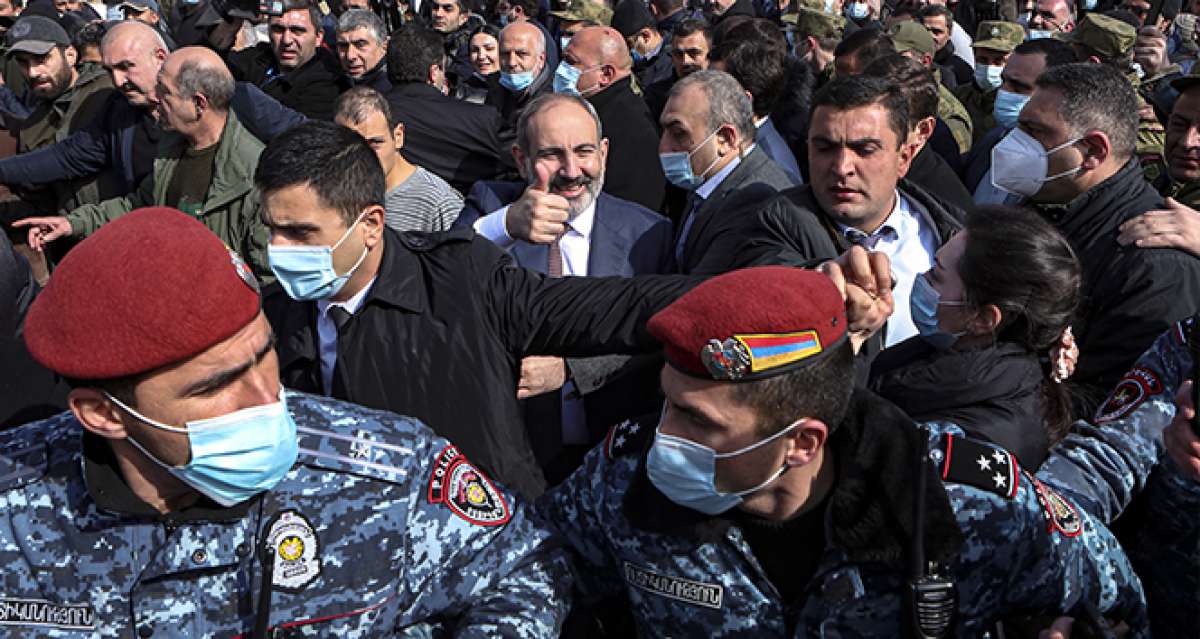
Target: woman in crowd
x,y
485,60
994,314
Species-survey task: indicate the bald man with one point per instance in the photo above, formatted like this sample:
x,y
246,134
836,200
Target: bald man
x,y
524,74
203,165
126,138
596,65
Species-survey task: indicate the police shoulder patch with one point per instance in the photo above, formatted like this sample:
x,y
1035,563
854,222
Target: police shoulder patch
x,y
1133,389
979,464
466,491
1060,514
295,550
627,437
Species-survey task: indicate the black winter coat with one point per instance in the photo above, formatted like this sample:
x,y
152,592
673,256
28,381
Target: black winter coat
x,y
312,89
993,393
634,172
441,334
1130,295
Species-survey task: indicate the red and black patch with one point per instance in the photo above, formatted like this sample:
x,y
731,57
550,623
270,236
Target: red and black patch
x,y
1133,389
981,465
1060,514
466,491
630,436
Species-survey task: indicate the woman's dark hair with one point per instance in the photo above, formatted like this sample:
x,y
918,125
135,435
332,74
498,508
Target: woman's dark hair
x,y
1019,262
489,29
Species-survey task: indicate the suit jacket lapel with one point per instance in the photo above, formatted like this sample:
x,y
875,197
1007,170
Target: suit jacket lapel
x,y
609,246
713,203
531,256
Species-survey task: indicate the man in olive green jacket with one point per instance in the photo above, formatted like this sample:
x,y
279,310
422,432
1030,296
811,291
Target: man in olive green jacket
x,y
204,168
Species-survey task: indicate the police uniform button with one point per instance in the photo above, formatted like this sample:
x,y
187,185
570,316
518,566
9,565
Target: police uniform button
x,y
146,631
242,549
199,557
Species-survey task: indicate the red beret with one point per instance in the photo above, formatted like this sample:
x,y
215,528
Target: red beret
x,y
151,288
752,323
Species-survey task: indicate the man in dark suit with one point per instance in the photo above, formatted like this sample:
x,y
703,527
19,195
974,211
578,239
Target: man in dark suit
x,y
600,58
455,140
571,403
431,325
293,67
727,177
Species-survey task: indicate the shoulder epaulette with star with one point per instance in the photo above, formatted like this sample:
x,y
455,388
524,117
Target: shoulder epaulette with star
x,y
630,437
981,465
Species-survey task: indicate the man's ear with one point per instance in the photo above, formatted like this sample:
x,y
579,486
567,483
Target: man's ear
x,y
96,413
807,440
727,134
1098,148
398,135
71,55
519,158
372,223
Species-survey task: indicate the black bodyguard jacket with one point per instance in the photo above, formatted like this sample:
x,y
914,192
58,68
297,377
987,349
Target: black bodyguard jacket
x,y
311,89
441,334
634,172
1130,295
993,393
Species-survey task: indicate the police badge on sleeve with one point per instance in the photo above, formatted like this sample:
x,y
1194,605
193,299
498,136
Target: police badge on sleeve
x,y
466,491
295,549
1134,388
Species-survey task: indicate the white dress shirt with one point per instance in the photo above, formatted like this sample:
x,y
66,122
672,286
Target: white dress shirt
x,y
327,332
910,245
576,246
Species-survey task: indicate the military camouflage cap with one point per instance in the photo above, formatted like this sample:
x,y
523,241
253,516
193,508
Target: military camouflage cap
x,y
585,11
1107,36
912,36
998,35
818,24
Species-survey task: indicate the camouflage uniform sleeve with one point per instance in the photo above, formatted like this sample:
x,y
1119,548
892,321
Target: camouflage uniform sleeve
x,y
574,510
1102,466
1031,551
476,559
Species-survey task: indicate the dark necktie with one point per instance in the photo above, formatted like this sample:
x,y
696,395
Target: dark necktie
x,y
554,266
339,315
693,204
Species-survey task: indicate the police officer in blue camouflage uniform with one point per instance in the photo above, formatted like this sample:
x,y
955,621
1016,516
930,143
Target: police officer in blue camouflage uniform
x,y
186,493
1138,420
770,499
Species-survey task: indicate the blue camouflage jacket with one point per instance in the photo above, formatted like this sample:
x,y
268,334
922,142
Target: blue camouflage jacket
x,y
1124,457
380,525
1014,546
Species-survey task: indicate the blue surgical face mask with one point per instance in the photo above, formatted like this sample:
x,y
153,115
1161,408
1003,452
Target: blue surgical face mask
x,y
1008,108
1024,18
114,13
987,76
566,78
1039,34
923,305
516,82
235,456
306,273
686,472
638,56
504,20
677,166
1089,5
563,41
858,10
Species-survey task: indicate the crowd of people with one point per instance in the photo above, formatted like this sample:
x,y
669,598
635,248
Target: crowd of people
x,y
600,318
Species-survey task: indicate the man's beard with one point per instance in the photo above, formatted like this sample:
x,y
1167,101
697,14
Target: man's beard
x,y
576,205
